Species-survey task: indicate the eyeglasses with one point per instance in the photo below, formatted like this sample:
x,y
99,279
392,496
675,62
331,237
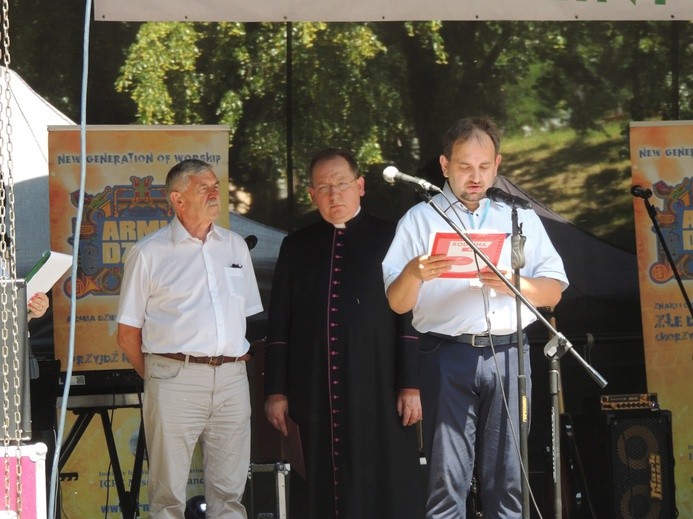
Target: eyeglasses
x,y
339,187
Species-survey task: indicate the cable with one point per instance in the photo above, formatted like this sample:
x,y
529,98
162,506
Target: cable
x,y
75,264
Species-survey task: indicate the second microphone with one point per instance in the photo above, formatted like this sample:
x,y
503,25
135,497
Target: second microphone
x,y
498,195
392,174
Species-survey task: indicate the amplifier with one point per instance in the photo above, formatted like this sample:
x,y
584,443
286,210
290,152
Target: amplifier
x,y
638,401
629,460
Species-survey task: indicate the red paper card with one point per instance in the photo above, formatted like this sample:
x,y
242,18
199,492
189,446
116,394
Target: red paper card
x,y
450,244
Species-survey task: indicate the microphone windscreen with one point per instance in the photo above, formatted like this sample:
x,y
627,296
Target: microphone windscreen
x,y
389,174
251,241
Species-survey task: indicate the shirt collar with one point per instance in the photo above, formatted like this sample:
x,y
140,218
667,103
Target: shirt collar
x,y
456,204
180,233
354,219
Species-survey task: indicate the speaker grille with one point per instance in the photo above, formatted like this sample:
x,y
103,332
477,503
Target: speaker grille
x,y
629,464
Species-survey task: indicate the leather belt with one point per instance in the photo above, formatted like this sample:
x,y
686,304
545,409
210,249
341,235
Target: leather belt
x,y
481,340
212,361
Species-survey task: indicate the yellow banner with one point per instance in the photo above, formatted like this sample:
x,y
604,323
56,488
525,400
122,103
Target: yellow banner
x,y
126,169
662,161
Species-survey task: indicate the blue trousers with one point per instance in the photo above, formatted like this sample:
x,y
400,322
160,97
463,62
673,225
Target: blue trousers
x,y
466,427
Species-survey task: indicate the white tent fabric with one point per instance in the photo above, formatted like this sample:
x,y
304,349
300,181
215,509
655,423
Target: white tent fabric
x,y
389,10
30,116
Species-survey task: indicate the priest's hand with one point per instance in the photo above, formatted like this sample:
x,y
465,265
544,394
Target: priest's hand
x,y
409,406
276,409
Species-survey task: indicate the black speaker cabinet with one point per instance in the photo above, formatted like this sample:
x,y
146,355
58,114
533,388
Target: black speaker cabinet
x,y
628,463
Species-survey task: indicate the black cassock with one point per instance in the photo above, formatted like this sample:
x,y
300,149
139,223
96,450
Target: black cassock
x,y
340,354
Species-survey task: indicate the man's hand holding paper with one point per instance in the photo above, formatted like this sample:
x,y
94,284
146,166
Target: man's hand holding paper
x,y
465,263
491,280
429,267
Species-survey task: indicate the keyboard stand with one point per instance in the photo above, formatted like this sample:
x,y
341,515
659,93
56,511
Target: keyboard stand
x,y
88,406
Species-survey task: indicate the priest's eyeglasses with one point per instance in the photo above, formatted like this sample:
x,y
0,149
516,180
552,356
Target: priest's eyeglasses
x,y
339,187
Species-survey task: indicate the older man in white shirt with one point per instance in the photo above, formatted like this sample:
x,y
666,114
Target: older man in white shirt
x,y
185,295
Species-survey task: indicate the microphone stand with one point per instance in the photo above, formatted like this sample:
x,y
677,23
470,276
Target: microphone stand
x,y
558,346
517,242
652,212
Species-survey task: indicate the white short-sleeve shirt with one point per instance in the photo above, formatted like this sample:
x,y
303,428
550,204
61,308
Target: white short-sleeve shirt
x,y
189,296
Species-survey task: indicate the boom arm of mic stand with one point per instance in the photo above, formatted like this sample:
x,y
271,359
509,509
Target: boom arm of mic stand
x,y
652,212
562,345
559,346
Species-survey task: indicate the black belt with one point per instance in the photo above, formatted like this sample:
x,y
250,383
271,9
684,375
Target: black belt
x,y
480,340
212,361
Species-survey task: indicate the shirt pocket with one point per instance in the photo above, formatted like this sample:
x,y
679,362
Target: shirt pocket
x,y
235,281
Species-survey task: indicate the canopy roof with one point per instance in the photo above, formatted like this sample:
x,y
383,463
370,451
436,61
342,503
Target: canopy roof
x,y
29,117
389,10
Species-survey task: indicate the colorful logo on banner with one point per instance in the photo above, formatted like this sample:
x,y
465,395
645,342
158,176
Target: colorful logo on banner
x,y
113,220
676,224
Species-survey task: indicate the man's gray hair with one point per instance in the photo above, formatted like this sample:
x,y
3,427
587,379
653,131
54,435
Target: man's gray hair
x,y
178,176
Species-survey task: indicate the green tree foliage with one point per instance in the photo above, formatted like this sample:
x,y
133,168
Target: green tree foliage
x,y
384,90
47,43
161,74
387,90
595,70
341,79
474,69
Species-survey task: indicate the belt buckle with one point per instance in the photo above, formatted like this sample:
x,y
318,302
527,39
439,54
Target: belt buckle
x,y
473,340
216,361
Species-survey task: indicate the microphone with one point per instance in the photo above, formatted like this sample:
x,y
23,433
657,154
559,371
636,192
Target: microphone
x,y
641,192
251,241
498,195
391,174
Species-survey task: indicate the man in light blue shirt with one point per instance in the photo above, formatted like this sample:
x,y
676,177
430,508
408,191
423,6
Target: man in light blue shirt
x,y
469,344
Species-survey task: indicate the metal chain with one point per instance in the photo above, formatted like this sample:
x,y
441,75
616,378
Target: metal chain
x,y
3,296
8,265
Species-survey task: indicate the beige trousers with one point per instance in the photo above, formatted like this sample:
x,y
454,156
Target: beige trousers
x,y
185,403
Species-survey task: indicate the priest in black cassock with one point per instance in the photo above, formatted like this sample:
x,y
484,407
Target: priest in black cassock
x,y
340,363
